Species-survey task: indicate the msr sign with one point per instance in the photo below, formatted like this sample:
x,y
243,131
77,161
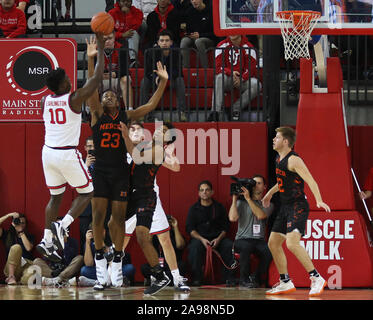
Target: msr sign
x,y
26,63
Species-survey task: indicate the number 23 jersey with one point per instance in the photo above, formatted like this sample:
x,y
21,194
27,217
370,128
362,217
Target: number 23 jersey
x,y
110,149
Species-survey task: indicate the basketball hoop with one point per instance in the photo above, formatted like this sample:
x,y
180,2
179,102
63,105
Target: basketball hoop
x,y
296,27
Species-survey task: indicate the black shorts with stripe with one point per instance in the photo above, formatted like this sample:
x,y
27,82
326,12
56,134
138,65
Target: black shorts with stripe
x,y
292,216
142,203
112,184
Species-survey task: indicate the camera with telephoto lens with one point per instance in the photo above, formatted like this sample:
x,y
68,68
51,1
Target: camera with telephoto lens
x,y
17,221
248,183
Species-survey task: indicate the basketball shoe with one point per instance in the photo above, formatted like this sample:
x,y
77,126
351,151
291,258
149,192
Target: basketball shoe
x,y
282,288
158,285
181,285
116,275
317,286
59,232
102,273
48,252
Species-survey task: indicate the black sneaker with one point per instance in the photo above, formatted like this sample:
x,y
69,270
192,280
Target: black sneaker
x,y
48,253
158,285
59,233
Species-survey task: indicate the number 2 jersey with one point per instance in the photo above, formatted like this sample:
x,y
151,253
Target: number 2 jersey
x,y
62,124
110,148
291,185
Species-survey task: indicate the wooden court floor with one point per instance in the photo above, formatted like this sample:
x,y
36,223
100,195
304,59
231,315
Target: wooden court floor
x,y
197,293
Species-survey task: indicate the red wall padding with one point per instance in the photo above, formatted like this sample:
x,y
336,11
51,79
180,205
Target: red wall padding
x,y
321,142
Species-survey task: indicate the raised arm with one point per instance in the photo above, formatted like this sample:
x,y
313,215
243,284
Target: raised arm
x,y
154,100
93,101
82,94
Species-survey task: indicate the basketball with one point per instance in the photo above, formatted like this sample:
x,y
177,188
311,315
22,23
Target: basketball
x,y
102,22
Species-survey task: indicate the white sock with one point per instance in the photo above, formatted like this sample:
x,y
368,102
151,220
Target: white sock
x,y
48,237
175,275
67,220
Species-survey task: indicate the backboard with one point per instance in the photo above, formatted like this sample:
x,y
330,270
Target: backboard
x,y
259,16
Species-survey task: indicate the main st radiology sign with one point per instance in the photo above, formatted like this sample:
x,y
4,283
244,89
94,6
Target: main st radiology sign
x,y
24,65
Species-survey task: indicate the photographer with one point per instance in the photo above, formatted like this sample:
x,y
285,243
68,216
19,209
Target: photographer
x,y
247,209
18,244
207,223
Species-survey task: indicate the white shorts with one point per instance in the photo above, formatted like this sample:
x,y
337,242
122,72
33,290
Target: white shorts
x,y
159,223
65,166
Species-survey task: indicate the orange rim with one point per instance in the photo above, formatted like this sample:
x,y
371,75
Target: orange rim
x,y
296,15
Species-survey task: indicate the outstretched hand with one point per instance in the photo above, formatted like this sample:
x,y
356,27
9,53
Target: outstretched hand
x,y
91,46
323,205
161,71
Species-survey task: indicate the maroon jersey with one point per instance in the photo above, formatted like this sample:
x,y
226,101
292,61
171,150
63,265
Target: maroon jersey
x,y
290,184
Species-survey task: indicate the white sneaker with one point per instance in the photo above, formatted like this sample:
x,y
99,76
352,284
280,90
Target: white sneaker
x,y
86,282
101,271
317,286
181,285
282,288
116,274
73,282
56,282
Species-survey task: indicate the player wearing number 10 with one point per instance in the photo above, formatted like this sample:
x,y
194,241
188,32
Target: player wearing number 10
x,y
291,172
111,176
62,162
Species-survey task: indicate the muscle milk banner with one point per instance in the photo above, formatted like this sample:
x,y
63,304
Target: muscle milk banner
x,y
339,247
24,64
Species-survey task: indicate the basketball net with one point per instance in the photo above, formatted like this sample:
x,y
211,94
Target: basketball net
x,y
296,28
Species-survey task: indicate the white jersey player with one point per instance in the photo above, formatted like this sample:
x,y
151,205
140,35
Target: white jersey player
x,y
62,162
160,225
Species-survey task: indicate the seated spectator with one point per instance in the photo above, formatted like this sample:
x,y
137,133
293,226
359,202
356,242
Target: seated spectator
x,y
178,243
67,16
88,271
182,7
164,16
199,32
12,20
21,4
252,219
235,69
368,186
172,60
146,6
112,64
58,274
128,20
18,245
207,223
